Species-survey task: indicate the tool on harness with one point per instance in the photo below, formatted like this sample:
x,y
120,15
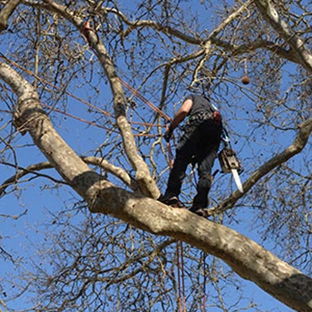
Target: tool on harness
x,y
229,161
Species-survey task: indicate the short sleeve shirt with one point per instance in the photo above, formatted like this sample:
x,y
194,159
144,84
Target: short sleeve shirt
x,y
200,105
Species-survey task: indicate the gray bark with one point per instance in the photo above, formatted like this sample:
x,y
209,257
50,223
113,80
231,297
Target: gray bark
x,y
6,12
299,53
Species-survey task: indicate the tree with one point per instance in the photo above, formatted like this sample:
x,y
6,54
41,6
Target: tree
x,y
163,49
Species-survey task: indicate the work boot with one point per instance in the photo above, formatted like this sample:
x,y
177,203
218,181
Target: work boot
x,y
202,212
172,201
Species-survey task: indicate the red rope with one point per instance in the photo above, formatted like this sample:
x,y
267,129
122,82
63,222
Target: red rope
x,y
179,276
86,102
179,254
182,277
143,99
204,302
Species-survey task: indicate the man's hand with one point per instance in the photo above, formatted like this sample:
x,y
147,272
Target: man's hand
x,y
178,118
168,134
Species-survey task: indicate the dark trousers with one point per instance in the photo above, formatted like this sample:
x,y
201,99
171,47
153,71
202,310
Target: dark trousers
x,y
199,144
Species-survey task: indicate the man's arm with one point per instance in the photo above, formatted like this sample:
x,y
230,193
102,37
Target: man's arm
x,y
178,118
181,114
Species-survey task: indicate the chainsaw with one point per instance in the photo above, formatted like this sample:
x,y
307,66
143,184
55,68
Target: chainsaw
x,y
229,161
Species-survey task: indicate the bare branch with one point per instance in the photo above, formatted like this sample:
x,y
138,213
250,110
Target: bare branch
x,y
147,184
6,12
116,171
299,143
212,37
298,48
270,110
33,169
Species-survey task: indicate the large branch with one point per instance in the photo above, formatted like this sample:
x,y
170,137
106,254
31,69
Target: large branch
x,y
244,256
6,12
146,182
247,258
298,48
31,117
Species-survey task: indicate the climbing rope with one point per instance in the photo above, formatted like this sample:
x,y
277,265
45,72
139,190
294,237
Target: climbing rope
x,y
180,277
204,301
144,100
179,255
135,92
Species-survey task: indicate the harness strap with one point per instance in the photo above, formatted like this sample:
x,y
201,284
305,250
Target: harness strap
x,y
216,116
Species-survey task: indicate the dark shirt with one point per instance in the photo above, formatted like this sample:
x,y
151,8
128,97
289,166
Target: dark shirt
x,y
200,105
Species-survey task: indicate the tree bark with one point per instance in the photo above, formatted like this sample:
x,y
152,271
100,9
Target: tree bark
x,y
6,12
298,49
31,117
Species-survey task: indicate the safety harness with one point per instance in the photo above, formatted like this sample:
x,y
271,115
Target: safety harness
x,y
215,116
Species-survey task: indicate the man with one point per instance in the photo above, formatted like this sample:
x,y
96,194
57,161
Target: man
x,y
198,145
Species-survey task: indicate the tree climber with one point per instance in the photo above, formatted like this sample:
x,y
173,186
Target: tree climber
x,y
198,145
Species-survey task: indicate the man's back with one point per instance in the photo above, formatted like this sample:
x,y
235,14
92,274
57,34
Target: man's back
x,y
200,105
